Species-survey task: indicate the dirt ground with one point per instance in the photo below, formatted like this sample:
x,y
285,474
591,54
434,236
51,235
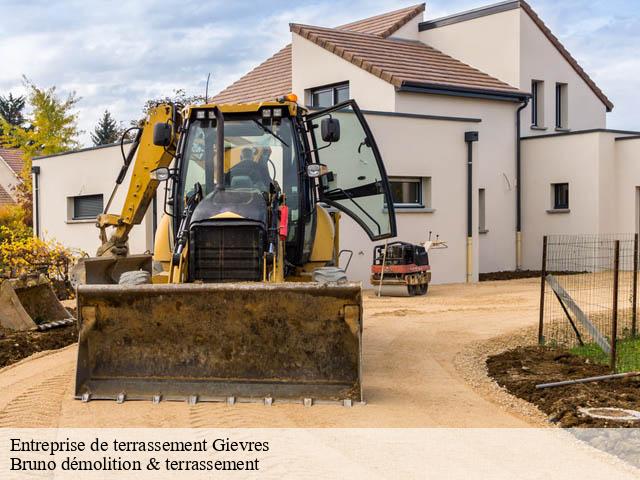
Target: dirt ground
x,y
412,376
519,371
15,346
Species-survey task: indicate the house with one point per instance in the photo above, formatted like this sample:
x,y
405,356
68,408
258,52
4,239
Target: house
x,y
492,133
11,165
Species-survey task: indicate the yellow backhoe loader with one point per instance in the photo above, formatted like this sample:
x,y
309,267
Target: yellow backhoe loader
x,y
243,298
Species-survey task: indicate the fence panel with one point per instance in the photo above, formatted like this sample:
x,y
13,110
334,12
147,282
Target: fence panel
x,y
589,295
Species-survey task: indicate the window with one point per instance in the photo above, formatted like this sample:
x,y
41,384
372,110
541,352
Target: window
x,y
482,218
561,106
537,103
86,207
324,97
560,196
412,192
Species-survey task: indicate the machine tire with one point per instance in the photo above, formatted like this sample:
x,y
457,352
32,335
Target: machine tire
x,y
135,277
424,288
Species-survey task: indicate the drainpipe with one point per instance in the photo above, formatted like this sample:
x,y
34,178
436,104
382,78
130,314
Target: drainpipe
x,y
36,200
469,138
525,102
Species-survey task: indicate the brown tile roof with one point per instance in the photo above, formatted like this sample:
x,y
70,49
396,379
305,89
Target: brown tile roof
x,y
565,53
5,198
13,158
272,77
387,23
402,62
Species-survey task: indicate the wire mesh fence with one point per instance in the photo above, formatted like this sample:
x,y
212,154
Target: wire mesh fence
x,y
589,297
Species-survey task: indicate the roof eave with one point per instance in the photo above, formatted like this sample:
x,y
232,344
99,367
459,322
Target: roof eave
x,y
487,94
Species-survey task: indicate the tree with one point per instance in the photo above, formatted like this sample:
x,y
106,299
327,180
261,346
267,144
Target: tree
x,y
107,131
50,128
11,109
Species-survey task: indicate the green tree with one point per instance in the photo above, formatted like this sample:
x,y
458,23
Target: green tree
x,y
11,109
50,128
107,131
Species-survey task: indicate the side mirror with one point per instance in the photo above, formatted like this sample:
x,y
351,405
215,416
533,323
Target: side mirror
x,y
162,134
315,170
160,174
330,129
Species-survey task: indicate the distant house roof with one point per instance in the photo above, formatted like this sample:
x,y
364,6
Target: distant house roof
x,y
403,63
13,158
5,198
272,78
511,5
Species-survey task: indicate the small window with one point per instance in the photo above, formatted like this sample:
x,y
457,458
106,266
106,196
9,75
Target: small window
x,y
87,207
537,103
482,216
560,196
561,106
324,97
410,192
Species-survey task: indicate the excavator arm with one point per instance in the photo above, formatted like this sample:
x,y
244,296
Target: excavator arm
x,y
143,185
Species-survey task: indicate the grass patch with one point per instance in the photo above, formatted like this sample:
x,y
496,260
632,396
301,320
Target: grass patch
x,y
628,352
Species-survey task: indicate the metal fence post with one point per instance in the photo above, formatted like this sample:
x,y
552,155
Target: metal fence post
x,y
614,313
634,293
543,278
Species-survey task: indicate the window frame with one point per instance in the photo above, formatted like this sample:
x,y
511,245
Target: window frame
x,y
75,217
557,205
561,106
421,193
333,88
537,102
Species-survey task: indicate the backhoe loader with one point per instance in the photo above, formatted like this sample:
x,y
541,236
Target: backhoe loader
x,y
243,298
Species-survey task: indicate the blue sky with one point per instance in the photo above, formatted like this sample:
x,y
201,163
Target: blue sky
x,y
116,55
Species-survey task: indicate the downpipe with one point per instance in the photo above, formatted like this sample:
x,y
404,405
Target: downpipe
x,y
470,138
518,189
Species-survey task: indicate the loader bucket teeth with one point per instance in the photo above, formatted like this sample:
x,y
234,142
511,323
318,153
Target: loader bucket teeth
x,y
24,304
213,342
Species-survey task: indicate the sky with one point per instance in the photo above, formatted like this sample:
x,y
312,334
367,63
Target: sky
x,y
117,54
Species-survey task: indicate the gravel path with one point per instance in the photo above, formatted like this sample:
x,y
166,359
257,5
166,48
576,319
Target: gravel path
x,y
423,367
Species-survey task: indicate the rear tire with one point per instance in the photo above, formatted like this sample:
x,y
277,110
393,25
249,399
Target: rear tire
x,y
424,288
135,277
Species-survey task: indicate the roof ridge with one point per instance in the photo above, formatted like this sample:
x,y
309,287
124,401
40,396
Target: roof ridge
x,y
411,12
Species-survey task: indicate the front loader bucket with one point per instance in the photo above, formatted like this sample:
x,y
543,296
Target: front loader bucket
x,y
220,342
24,304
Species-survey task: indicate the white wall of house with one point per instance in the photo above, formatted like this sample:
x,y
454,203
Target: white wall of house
x,y
426,148
603,174
495,161
541,60
314,67
627,195
510,46
88,172
409,31
490,44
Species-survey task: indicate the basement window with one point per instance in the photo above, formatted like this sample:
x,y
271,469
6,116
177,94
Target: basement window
x,y
324,97
85,207
411,192
560,196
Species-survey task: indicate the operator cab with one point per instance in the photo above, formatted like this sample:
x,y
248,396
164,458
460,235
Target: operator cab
x,y
238,167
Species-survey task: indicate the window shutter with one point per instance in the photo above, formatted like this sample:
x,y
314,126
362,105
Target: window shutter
x,y
87,206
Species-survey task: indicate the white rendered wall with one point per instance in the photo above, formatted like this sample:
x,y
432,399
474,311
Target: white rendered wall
x,y
490,44
495,169
541,60
627,169
313,66
84,173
